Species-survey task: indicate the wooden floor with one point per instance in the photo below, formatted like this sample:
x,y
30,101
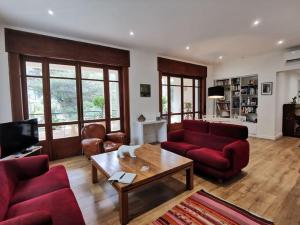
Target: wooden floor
x,y
268,187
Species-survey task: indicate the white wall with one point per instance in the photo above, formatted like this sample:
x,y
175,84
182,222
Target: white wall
x,y
266,66
5,109
143,70
287,88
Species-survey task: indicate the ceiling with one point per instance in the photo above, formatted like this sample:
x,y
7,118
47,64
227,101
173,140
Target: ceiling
x,y
210,27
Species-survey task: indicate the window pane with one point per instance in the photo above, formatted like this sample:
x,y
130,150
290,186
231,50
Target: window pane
x,y
92,73
188,116
35,99
175,99
42,134
93,100
188,82
196,100
197,116
115,125
113,75
114,99
34,69
188,99
63,100
164,80
175,81
164,101
176,119
196,83
65,131
57,70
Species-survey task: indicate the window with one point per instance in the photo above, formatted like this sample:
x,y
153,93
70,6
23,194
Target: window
x,y
180,98
65,96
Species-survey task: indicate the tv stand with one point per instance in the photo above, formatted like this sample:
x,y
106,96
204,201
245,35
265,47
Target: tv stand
x,y
31,151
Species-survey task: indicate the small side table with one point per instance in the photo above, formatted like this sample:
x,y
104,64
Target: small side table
x,y
35,150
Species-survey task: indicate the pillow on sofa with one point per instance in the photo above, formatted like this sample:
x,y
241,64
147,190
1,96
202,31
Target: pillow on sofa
x,y
206,140
196,125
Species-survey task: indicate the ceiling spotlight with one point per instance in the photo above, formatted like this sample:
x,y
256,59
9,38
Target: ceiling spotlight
x,y
131,33
256,23
50,12
280,42
220,57
187,47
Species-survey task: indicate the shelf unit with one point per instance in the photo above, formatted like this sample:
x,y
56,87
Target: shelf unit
x,y
241,98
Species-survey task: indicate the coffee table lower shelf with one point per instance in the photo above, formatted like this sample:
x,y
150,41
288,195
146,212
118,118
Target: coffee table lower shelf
x,y
124,190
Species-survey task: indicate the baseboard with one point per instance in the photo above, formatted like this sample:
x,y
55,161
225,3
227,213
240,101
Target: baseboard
x,y
269,137
279,135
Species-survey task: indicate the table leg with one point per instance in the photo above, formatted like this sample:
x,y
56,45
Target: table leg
x,y
123,210
190,178
94,174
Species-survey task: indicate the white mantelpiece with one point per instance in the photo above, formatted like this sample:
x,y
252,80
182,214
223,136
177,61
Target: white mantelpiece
x,y
151,131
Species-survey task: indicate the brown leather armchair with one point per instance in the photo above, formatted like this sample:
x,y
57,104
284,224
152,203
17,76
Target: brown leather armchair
x,y
96,141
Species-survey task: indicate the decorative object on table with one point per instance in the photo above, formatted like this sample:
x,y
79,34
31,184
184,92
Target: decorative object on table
x,y
203,206
141,118
130,149
294,100
267,88
145,90
216,92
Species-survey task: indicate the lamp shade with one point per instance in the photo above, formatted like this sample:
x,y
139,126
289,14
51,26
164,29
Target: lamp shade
x,y
216,92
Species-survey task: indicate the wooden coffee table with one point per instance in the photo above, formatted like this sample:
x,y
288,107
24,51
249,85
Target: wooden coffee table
x,y
161,163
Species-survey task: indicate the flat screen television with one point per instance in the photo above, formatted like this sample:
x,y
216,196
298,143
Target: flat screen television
x,y
17,136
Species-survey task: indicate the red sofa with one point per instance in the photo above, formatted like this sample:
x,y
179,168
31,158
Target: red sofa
x,y
218,149
33,194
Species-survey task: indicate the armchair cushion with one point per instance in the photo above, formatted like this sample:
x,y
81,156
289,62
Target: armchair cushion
x,y
111,146
209,157
56,178
35,218
60,204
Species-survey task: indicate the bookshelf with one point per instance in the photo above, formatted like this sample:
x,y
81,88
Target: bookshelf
x,y
241,98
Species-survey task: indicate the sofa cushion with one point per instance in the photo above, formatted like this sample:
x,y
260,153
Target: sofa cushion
x,y
209,157
229,130
8,182
196,125
56,178
179,148
206,140
60,204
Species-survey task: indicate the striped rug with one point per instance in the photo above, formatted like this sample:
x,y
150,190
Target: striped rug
x,y
206,209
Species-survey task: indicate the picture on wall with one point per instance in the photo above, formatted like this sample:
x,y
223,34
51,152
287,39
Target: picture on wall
x,y
145,90
267,88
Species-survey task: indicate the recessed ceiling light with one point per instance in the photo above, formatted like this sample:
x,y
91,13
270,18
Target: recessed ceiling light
x,y
131,33
256,22
280,42
220,57
187,48
50,12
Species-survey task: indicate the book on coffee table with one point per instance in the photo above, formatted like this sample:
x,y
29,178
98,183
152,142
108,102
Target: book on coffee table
x,y
122,177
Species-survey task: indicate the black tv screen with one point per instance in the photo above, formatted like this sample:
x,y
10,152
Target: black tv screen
x,y
17,136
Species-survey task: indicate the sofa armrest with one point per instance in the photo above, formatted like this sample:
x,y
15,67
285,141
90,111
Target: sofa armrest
x,y
118,137
176,135
28,167
35,218
238,154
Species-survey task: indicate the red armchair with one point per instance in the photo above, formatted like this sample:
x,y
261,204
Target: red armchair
x,y
220,150
33,194
96,141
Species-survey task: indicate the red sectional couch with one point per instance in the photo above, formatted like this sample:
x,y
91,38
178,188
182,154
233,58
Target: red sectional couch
x,y
218,149
33,194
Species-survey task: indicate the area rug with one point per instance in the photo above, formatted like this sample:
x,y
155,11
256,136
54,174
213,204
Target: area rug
x,y
204,208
